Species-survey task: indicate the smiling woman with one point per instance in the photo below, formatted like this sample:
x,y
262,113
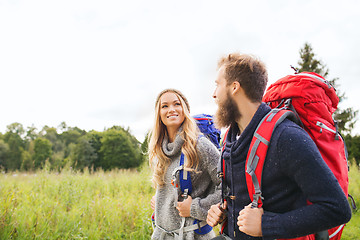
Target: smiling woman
x,y
176,154
171,113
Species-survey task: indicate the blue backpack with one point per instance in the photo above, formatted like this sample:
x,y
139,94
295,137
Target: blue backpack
x,y
206,125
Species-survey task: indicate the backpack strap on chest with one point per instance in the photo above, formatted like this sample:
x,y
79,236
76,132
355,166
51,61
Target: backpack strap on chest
x,y
200,227
184,178
257,152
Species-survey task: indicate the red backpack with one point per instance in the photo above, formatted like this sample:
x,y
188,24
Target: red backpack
x,y
311,100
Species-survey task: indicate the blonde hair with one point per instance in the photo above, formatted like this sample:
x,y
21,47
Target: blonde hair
x,y
158,161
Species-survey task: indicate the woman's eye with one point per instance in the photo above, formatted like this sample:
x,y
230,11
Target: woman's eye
x,y
177,104
163,106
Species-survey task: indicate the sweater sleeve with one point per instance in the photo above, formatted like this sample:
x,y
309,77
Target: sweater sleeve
x,y
209,156
302,163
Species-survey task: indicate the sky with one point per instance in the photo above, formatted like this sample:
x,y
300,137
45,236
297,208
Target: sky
x,y
95,64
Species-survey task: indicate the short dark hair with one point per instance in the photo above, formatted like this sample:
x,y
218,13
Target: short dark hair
x,y
249,71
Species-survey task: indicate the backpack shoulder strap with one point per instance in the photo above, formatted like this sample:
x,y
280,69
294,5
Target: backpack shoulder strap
x,y
185,179
257,152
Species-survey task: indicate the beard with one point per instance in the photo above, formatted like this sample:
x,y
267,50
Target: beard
x,y
227,113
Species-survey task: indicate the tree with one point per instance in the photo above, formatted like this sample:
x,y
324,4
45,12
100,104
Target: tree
x,y
135,143
71,135
118,150
42,152
95,141
345,118
84,153
31,133
50,133
62,127
353,147
16,128
145,147
27,162
4,151
13,138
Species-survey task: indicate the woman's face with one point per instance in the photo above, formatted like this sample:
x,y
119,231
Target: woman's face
x,y
171,111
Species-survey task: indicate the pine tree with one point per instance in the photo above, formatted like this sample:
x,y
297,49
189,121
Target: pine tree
x,y
346,118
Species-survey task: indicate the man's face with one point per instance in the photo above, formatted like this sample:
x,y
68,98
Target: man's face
x,y
227,112
221,86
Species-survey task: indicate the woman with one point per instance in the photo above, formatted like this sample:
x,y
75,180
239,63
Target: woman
x,y
175,132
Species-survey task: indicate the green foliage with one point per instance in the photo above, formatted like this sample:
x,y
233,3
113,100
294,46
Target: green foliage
x,y
95,141
31,133
13,138
352,229
42,152
72,135
308,62
111,205
144,148
27,162
16,128
51,134
4,151
70,147
118,150
84,153
345,118
353,147
57,161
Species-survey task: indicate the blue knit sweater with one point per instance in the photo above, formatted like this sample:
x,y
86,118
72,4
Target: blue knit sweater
x,y
293,173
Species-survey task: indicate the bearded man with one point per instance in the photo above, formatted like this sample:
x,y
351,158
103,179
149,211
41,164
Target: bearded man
x,y
293,172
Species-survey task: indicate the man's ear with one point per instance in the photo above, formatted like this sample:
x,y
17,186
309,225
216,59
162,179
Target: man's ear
x,y
235,87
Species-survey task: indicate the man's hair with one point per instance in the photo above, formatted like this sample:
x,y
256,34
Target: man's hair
x,y
249,71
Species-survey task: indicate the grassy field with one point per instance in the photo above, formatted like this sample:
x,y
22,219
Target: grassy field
x,y
111,205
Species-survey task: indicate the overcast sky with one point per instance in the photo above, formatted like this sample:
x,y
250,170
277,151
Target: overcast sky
x,y
95,64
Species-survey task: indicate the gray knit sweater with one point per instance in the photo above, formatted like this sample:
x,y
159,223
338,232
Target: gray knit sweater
x,y
205,189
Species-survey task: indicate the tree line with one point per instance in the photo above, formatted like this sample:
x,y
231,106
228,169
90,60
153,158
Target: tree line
x,y
28,150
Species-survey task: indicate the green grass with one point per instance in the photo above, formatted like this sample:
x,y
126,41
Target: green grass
x,y
114,205
103,205
352,229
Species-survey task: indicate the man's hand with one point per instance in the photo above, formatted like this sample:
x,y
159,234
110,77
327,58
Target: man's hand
x,y
184,207
216,214
249,221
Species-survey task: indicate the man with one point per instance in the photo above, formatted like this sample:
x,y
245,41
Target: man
x,y
293,172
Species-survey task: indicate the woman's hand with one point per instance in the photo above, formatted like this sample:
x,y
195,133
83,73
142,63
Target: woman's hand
x,y
152,203
184,207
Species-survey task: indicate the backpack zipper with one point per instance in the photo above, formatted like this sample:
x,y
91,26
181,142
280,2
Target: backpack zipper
x,y
323,126
318,78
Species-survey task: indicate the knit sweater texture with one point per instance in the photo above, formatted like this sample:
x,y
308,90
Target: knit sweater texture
x,y
205,189
293,173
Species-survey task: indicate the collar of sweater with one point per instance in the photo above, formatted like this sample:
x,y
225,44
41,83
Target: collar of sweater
x,y
172,149
238,145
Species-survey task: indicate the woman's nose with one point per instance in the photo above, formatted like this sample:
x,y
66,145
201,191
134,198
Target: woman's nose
x,y
171,109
